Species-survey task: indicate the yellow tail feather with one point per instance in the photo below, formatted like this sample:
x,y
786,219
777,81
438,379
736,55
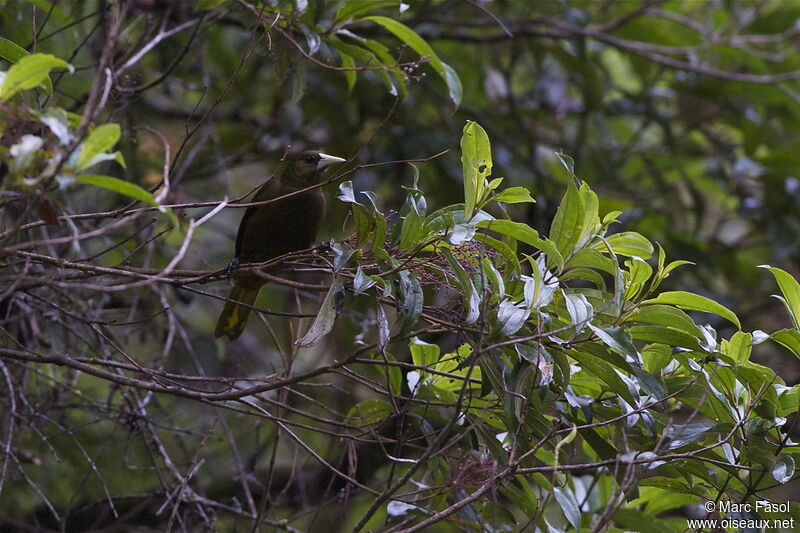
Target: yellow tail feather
x,y
234,316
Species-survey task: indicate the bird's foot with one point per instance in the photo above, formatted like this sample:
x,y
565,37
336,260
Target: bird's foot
x,y
232,266
324,246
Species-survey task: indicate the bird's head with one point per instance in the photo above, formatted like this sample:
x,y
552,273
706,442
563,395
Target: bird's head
x,y
303,169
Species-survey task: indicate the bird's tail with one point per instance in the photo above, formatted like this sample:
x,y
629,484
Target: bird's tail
x,y
234,316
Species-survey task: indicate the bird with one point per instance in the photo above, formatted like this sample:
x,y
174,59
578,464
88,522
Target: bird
x,y
275,229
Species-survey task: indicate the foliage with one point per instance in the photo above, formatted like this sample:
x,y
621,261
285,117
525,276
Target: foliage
x,y
492,359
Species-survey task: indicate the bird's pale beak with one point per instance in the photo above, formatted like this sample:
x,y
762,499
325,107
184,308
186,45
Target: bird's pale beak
x,y
326,160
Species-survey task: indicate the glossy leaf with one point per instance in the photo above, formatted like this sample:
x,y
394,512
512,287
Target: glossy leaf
x,y
790,289
694,302
476,163
738,347
119,186
664,315
101,139
569,505
361,282
789,338
630,243
29,72
12,52
783,469
352,9
419,45
511,317
678,436
514,195
566,227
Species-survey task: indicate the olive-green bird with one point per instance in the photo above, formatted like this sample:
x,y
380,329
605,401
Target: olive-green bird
x,y
271,230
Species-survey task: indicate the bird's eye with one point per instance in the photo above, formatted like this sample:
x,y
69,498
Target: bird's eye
x,y
308,159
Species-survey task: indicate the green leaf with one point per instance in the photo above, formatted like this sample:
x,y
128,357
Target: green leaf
x,y
591,258
663,335
638,273
675,264
11,51
361,282
411,298
738,348
355,8
476,162
789,338
528,235
504,249
50,7
394,374
30,71
323,322
665,315
567,162
678,436
617,339
514,195
365,223
565,230
635,520
454,89
119,186
423,353
101,139
471,297
368,412
600,368
419,45
379,237
496,279
368,58
349,75
631,244
386,58
569,505
591,221
695,302
603,448
412,230
791,292
586,274
126,188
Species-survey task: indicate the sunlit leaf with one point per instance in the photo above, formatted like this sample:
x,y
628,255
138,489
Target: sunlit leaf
x,y
352,9
476,163
101,139
694,302
514,195
29,72
790,289
630,243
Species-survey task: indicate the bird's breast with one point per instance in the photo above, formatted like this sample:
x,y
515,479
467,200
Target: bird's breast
x,y
285,226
